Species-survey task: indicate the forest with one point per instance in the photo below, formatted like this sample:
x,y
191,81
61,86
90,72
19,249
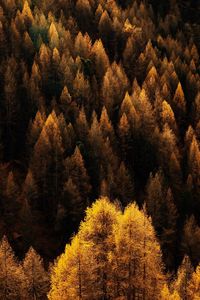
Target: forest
x,y
99,150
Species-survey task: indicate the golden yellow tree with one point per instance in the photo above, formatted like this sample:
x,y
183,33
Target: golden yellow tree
x,y
136,258
11,273
167,295
82,272
193,289
36,278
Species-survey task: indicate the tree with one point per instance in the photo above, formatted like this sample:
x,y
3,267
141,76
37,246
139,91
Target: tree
x,y
69,275
194,161
154,200
12,189
100,59
168,149
168,234
124,185
36,128
82,90
167,116
82,127
167,295
84,15
106,126
11,106
30,189
125,136
73,202
193,289
83,271
27,14
183,277
136,258
75,169
83,45
53,36
115,84
128,108
146,113
47,161
11,273
179,105
36,278
106,28
191,246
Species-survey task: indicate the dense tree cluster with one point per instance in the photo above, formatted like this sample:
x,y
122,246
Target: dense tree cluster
x,y
116,255
22,280
98,98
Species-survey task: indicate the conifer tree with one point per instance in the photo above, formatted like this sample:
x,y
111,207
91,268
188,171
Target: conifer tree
x,y
100,59
75,169
83,271
193,289
179,105
167,295
191,246
36,278
69,277
11,273
30,190
53,36
136,258
184,275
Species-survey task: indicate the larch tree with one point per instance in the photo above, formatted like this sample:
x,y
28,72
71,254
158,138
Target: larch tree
x,y
100,59
35,128
125,135
84,14
96,231
73,202
193,289
27,14
30,189
105,27
145,111
194,161
106,126
184,275
53,36
82,90
155,198
114,87
167,116
191,246
11,105
11,273
166,294
83,45
179,104
75,169
128,108
12,189
69,276
82,127
124,190
35,86
36,278
136,258
40,158
83,271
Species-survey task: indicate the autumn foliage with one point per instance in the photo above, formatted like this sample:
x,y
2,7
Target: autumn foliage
x,y
100,99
